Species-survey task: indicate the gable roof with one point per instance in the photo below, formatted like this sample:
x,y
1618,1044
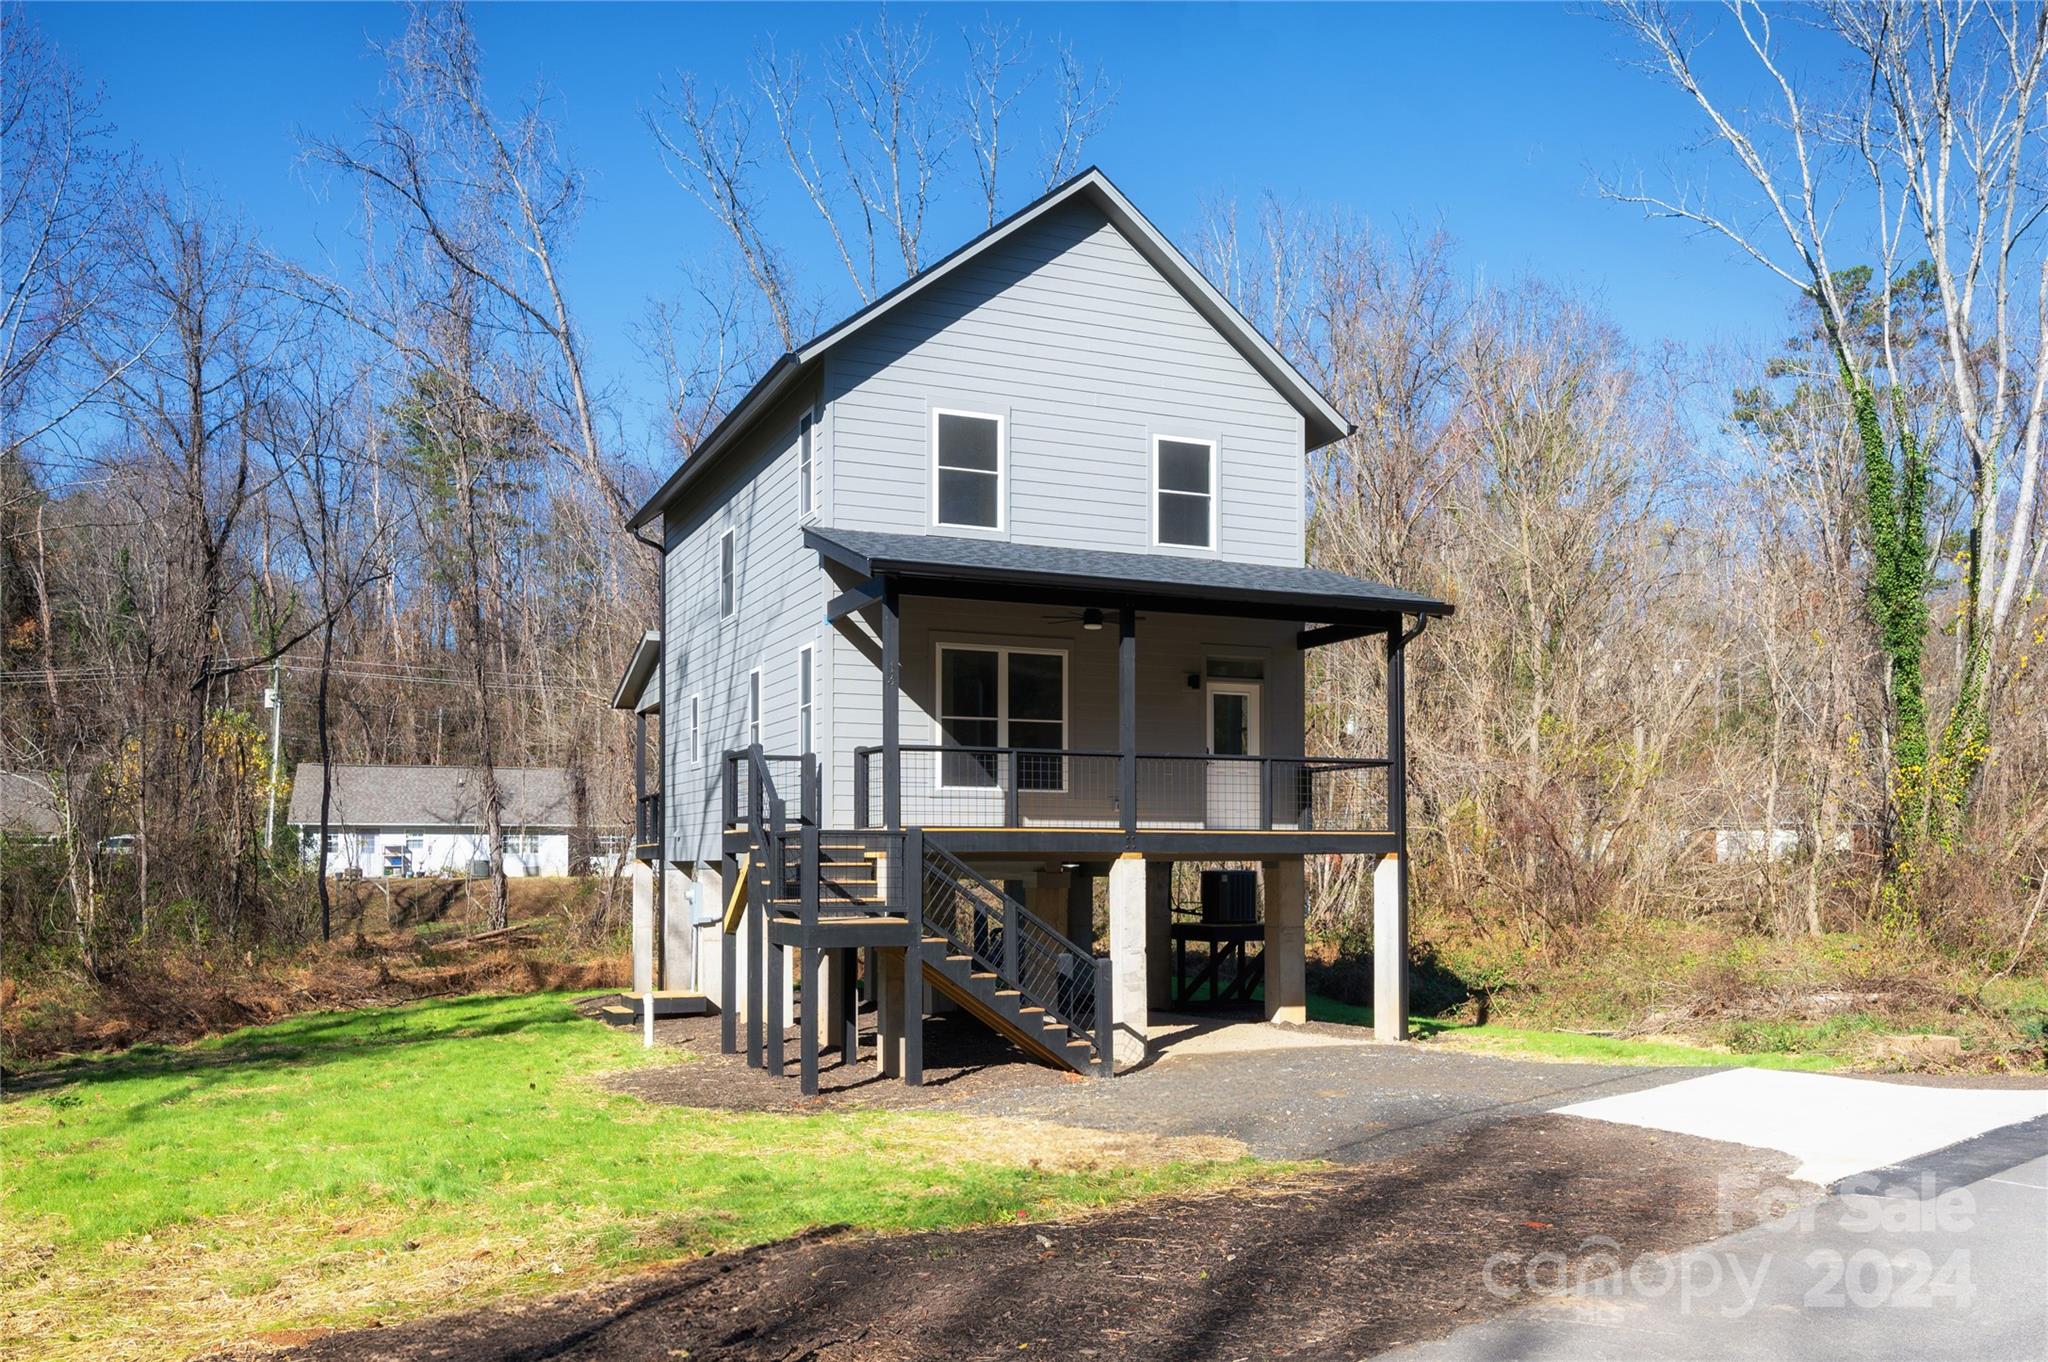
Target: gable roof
x,y
1321,422
944,561
433,796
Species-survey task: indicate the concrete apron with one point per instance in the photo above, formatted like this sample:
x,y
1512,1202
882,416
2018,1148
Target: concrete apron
x,y
1172,1035
1835,1127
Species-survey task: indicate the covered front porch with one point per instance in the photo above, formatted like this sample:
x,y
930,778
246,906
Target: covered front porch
x,y
1032,700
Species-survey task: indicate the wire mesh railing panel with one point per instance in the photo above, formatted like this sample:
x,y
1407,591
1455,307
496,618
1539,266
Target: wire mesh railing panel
x,y
1341,794
1003,938
993,787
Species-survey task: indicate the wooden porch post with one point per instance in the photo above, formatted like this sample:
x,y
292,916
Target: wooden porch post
x,y
1390,915
892,692
639,764
1127,721
913,959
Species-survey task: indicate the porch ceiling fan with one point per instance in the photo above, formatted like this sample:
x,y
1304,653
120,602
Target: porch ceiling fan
x,y
1092,618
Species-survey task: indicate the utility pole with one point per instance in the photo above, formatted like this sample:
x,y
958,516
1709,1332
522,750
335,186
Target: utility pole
x,y
273,700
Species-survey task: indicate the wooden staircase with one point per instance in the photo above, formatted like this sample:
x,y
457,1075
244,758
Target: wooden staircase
x,y
821,889
1004,1010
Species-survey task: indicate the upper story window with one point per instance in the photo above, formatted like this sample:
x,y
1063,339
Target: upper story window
x,y
804,657
806,469
1184,492
754,708
728,575
967,470
696,730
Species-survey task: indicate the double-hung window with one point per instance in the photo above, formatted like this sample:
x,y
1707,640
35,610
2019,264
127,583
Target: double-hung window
x,y
728,575
696,731
754,707
1184,492
994,698
806,469
804,657
967,470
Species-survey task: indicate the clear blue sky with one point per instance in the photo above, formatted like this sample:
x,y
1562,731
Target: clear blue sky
x,y
1495,121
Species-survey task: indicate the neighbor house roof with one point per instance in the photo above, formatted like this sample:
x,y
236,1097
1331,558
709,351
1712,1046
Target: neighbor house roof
x,y
28,805
434,796
1165,581
640,687
1321,422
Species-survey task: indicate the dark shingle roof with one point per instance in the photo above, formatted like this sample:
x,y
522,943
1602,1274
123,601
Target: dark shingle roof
x,y
27,805
433,796
1314,593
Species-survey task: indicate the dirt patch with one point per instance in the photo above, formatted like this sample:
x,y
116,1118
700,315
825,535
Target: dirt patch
x,y
394,942
1339,1264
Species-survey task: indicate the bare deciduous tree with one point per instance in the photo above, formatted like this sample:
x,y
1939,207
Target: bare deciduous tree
x,y
1935,151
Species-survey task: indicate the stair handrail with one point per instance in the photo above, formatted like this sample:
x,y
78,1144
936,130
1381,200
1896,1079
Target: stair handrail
x,y
1084,1011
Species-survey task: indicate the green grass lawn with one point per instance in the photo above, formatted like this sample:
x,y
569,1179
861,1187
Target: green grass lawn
x,y
1568,1045
347,1167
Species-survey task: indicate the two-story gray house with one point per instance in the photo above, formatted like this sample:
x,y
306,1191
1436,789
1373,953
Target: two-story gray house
x,y
991,592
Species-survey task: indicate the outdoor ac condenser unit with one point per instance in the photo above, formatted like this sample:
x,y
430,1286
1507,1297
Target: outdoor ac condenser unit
x,y
1230,896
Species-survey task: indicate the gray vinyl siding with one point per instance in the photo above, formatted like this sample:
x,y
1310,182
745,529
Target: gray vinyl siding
x,y
780,607
1171,714
1088,353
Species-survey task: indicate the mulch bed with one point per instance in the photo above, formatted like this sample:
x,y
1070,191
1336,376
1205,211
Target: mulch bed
x,y
963,1060
1333,1265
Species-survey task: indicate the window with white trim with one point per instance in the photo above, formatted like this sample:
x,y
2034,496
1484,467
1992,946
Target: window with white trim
x,y
1002,698
1184,492
728,575
967,470
696,731
754,707
806,469
804,663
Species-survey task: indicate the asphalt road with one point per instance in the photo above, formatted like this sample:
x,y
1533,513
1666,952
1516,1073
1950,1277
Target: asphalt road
x,y
1942,1257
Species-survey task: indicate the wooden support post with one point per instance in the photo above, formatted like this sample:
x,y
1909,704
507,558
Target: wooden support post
x,y
1010,929
1080,928
849,1009
913,1012
778,967
892,701
1390,909
1105,1017
757,955
1127,721
728,963
813,962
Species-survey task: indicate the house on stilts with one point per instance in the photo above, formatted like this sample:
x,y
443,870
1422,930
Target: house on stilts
x,y
988,594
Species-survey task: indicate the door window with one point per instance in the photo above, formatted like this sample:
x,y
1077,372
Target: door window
x,y
1233,721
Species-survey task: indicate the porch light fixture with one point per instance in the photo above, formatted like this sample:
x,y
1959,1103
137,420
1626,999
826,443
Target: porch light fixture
x,y
1091,618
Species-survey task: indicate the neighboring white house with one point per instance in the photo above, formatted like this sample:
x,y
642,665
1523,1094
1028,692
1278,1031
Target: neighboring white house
x,y
429,820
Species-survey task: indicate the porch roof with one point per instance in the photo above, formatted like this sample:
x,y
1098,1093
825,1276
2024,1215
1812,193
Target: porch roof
x,y
996,569
639,688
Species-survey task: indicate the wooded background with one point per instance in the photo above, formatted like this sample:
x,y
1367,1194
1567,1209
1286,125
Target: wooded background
x,y
1799,588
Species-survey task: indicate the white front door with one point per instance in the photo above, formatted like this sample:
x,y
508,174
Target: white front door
x,y
1234,786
